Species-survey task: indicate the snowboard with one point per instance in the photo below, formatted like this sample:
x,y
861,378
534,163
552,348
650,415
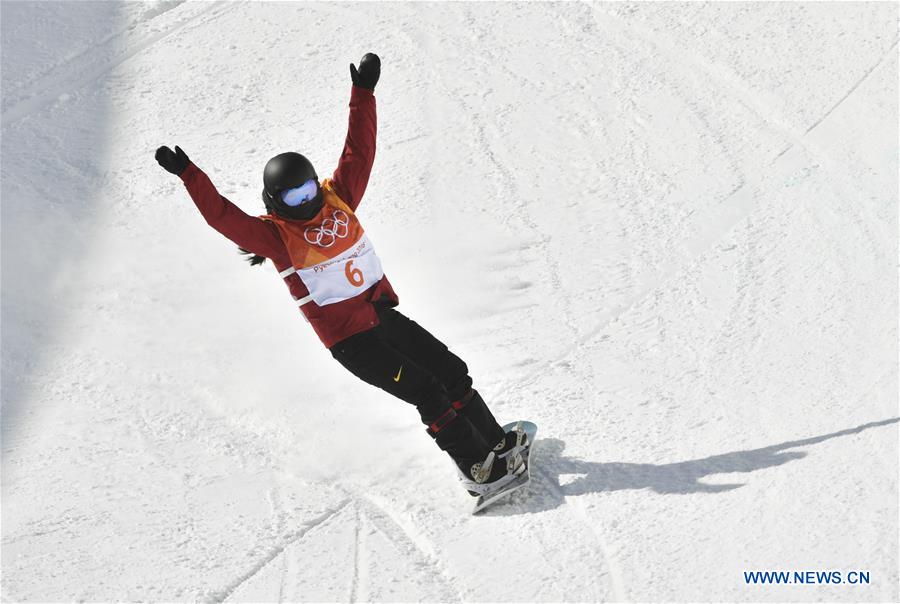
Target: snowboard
x,y
488,499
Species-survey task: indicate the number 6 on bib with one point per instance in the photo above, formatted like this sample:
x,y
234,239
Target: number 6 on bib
x,y
354,275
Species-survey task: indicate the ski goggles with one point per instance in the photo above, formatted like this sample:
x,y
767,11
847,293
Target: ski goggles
x,y
300,195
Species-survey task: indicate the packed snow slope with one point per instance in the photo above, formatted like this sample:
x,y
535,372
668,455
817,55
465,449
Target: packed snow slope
x,y
667,233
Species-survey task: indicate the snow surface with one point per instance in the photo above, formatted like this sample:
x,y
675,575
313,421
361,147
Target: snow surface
x,y
667,233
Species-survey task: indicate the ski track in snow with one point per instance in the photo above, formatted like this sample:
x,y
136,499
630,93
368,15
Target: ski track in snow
x,y
296,536
891,51
365,510
613,575
357,584
409,539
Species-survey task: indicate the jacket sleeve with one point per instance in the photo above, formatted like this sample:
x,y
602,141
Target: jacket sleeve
x,y
249,232
355,165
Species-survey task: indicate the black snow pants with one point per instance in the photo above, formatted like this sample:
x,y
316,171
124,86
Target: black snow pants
x,y
404,359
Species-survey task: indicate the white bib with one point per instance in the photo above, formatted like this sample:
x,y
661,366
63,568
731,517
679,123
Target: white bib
x,y
345,276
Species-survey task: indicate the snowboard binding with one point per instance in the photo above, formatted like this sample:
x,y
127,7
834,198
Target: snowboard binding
x,y
502,466
520,441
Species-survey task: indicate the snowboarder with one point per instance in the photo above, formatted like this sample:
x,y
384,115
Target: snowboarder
x,y
312,235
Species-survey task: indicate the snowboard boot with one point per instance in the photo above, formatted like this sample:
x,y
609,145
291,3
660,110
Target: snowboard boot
x,y
512,448
509,447
489,475
480,469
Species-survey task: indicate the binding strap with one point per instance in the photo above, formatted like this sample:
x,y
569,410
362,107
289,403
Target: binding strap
x,y
464,400
441,422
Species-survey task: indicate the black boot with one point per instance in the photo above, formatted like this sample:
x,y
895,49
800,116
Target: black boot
x,y
513,449
481,470
509,448
487,475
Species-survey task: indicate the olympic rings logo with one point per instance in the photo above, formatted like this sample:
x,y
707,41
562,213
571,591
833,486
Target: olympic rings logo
x,y
331,229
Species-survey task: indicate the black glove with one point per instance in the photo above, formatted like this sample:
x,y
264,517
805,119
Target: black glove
x,y
173,161
368,73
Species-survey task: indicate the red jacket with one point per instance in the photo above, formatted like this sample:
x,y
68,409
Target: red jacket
x,y
332,322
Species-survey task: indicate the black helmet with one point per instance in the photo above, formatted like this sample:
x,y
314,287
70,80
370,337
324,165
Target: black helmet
x,y
286,171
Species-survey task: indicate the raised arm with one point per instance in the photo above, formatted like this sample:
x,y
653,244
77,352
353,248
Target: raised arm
x,y
355,165
246,231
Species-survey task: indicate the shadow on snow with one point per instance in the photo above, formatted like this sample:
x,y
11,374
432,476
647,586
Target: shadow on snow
x,y
684,477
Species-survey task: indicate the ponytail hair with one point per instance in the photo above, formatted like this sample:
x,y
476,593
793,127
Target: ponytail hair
x,y
254,259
